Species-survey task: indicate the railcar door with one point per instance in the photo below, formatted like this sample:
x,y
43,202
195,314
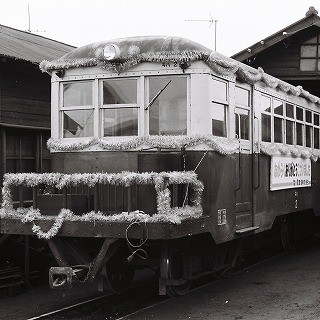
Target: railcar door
x,y
244,161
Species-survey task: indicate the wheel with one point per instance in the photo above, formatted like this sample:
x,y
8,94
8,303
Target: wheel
x,y
119,275
172,265
286,234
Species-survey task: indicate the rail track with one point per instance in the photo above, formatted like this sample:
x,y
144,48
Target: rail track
x,y
144,296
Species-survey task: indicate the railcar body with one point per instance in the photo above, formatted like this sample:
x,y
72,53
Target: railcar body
x,y
165,155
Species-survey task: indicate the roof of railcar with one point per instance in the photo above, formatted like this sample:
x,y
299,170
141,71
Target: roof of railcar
x,y
22,45
136,50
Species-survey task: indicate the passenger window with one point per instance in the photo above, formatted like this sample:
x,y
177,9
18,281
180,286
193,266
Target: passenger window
x,y
242,123
265,104
299,128
278,131
168,105
289,132
77,110
308,136
316,138
219,90
120,109
218,119
266,127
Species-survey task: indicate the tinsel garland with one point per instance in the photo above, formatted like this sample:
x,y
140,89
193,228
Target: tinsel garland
x,y
220,64
160,180
295,151
221,145
250,76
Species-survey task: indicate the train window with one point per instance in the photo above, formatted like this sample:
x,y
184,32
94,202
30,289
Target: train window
x,y
219,90
120,113
242,97
168,105
308,136
299,112
265,103
289,110
77,94
299,130
308,116
120,122
242,123
78,123
266,127
316,138
289,132
277,107
278,130
120,91
218,119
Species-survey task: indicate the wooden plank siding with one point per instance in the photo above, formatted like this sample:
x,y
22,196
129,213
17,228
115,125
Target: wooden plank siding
x,y
25,94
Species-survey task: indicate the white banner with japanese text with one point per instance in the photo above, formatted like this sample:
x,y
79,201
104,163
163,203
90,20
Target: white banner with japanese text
x,y
288,172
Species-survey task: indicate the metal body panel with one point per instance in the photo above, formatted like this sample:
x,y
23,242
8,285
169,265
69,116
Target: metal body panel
x,y
221,202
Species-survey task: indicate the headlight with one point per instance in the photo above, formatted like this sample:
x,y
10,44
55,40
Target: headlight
x,y
111,52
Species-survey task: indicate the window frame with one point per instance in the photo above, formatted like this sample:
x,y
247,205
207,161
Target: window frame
x,y
225,103
63,108
103,106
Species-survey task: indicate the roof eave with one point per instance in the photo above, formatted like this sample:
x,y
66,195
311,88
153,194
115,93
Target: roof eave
x,y
309,21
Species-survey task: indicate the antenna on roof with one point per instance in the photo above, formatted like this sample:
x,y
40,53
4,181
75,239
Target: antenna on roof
x,y
215,28
29,22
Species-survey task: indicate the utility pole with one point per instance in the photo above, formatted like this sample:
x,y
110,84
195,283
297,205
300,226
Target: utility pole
x,y
211,20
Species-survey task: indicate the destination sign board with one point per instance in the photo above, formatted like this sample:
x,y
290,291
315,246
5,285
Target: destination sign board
x,y
288,172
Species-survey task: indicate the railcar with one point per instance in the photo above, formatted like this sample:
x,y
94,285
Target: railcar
x,y
166,155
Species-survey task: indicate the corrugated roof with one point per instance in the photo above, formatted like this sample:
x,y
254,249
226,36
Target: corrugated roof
x,y
23,45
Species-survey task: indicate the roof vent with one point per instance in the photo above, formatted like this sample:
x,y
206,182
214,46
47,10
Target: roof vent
x,y
311,11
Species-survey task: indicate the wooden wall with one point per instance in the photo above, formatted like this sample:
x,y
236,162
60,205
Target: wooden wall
x,y
24,94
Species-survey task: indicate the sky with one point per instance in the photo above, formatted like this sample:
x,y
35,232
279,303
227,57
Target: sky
x,y
239,23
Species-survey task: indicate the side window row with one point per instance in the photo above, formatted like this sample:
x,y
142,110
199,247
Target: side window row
x,y
283,122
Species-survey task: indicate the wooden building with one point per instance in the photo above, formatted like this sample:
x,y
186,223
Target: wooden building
x,y
24,128
291,54
25,100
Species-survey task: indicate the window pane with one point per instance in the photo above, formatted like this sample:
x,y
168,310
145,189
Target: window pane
x,y
278,130
266,127
13,145
289,132
122,91
218,119
265,103
121,122
289,110
242,123
168,113
316,119
299,127
77,94
308,51
242,96
316,138
308,116
308,64
278,107
28,146
299,112
312,40
219,90
308,136
78,123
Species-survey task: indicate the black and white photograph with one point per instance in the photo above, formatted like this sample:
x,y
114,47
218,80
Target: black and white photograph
x,y
159,160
